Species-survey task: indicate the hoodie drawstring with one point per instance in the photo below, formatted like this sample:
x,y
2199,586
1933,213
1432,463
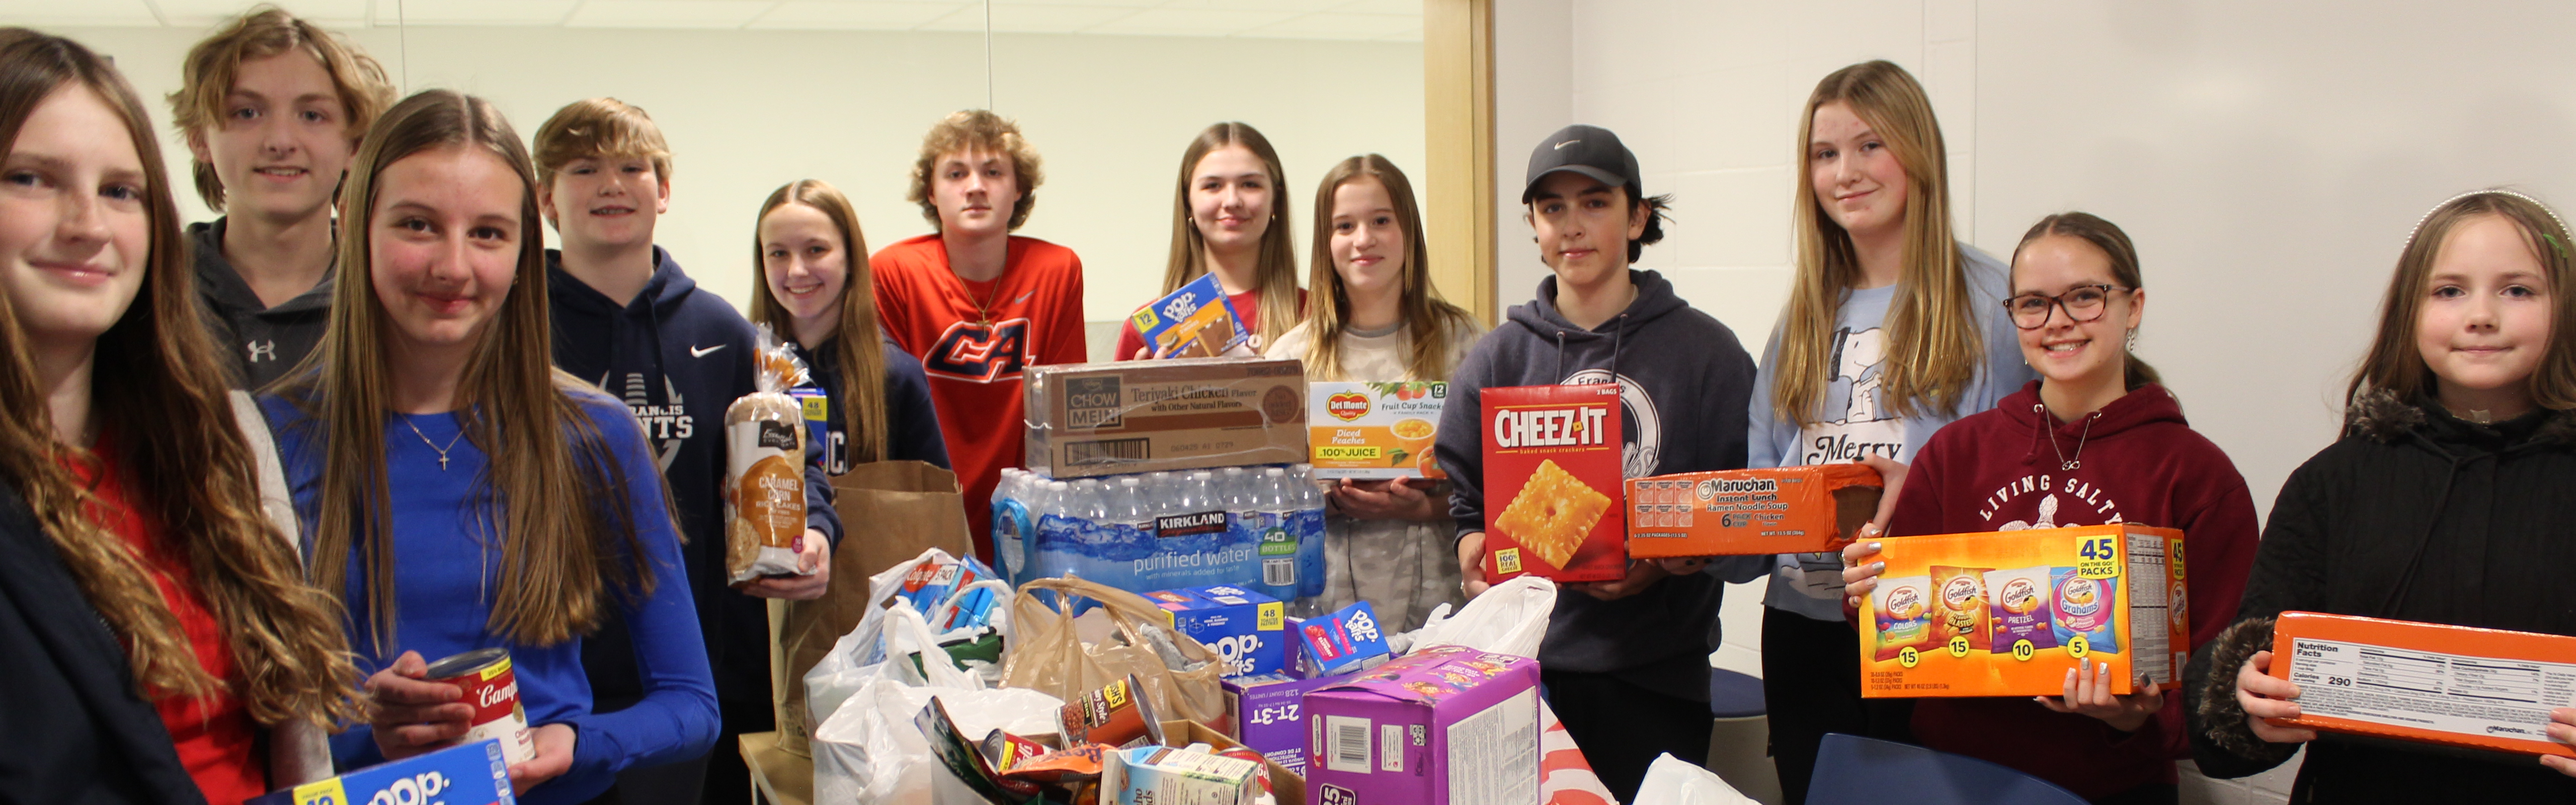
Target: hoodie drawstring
x,y
1618,339
1560,356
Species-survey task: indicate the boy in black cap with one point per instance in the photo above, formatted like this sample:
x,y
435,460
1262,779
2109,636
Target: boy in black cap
x,y
1625,662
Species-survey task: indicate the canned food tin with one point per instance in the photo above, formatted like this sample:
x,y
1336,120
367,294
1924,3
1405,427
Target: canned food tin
x,y
493,690
1117,715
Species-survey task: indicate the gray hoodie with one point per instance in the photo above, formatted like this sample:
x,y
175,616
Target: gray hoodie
x,y
1684,384
259,343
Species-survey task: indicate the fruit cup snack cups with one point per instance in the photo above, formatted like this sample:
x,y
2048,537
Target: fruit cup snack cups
x,y
1805,509
1552,463
2455,685
1374,430
1192,322
2007,613
1092,419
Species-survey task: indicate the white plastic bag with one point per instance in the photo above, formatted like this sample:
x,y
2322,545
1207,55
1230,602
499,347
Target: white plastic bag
x,y
1509,618
1673,782
863,654
870,752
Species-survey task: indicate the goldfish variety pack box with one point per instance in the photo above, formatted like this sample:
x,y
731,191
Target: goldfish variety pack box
x,y
2007,613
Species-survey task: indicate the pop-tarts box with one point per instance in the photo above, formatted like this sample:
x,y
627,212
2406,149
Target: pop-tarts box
x,y
1247,628
1345,641
1269,714
1444,724
466,774
1194,321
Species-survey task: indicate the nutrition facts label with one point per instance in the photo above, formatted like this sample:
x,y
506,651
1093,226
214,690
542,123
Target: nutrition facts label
x,y
2430,690
2150,639
1493,755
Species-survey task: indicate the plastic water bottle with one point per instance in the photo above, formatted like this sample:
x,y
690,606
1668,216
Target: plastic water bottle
x,y
1307,522
1013,521
1131,520
1274,545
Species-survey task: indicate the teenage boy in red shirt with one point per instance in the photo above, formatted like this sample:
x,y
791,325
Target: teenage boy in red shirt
x,y
975,303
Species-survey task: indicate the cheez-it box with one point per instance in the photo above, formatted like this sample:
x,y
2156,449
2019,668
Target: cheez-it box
x,y
1806,509
2455,685
1552,474
2006,613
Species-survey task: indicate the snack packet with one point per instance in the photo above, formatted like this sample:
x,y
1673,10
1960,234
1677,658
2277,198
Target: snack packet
x,y
1903,607
1959,609
1060,767
2018,603
765,469
2083,607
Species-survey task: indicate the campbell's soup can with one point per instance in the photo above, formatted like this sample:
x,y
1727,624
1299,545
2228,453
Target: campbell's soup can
x,y
489,685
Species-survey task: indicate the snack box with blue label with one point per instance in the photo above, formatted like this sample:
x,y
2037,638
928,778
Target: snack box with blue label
x,y
1269,714
1247,628
1443,724
1344,641
1192,322
466,774
1162,775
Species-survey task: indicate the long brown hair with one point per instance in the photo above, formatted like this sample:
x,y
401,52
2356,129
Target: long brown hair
x,y
2397,367
2114,244
1277,269
563,543
858,340
157,381
1934,349
1431,323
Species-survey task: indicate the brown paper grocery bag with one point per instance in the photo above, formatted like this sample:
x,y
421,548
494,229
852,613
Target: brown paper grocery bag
x,y
890,512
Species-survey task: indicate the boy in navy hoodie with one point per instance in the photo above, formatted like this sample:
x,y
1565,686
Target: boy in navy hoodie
x,y
628,319
1625,662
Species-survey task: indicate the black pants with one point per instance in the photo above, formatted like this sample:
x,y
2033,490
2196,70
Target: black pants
x,y
1811,686
2149,794
1622,727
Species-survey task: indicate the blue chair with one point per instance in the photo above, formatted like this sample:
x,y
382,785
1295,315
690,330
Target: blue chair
x,y
1852,770
1740,735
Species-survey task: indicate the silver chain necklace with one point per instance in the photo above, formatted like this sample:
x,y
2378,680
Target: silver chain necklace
x,y
451,443
2065,464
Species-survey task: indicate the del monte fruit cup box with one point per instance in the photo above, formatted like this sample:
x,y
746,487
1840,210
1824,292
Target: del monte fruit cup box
x,y
2006,613
1552,474
2455,685
1808,509
1374,430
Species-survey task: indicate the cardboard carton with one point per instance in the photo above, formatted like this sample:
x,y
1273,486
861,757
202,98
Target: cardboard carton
x,y
1552,481
1247,628
1269,714
2455,685
1374,430
1346,640
2007,613
1194,321
1444,724
1806,509
466,774
1093,419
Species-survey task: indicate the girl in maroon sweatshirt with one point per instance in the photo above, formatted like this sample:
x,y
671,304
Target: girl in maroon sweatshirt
x,y
2095,440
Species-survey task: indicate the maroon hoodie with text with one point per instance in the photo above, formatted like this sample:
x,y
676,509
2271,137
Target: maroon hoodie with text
x,y
2135,460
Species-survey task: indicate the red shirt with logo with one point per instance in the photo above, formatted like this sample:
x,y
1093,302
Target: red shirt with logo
x,y
973,338
216,738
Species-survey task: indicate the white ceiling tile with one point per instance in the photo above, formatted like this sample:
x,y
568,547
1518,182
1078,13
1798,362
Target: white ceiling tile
x,y
998,5
667,13
1192,22
43,13
872,15
200,13
1339,26
474,12
1289,6
1031,19
1407,7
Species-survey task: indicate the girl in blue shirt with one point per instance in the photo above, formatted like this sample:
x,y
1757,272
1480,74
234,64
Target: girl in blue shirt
x,y
442,531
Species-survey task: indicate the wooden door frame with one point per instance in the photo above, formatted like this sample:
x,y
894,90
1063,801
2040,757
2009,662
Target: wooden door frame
x,y
1458,128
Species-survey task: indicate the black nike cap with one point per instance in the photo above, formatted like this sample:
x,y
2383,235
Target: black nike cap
x,y
1589,150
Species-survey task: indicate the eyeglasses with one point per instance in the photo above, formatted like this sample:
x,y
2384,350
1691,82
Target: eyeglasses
x,y
2083,303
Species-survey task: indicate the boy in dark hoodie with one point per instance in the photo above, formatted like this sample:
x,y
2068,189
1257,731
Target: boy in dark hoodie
x,y
1625,662
272,108
627,319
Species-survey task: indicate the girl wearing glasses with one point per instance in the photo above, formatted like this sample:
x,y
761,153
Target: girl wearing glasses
x,y
2446,501
1891,331
2095,440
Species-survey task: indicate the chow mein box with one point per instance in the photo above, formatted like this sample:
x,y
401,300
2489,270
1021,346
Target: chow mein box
x,y
2007,613
1552,465
1093,419
2456,685
1374,430
1805,509
1443,724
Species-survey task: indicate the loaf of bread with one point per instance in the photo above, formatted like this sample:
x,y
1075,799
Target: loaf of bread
x,y
764,486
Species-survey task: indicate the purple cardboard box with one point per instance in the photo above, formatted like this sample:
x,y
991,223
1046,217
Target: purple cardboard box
x,y
1269,715
1444,724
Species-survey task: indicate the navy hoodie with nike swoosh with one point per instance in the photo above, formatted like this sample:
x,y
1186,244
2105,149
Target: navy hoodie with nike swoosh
x,y
1684,381
677,357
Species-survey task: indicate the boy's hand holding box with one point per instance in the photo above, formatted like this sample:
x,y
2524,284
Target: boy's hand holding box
x,y
2007,613
1808,509
1552,469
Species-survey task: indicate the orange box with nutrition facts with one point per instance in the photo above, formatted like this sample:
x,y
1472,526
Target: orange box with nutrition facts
x,y
1804,509
2455,685
2007,613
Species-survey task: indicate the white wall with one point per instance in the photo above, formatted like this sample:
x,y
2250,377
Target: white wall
x,y
747,111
